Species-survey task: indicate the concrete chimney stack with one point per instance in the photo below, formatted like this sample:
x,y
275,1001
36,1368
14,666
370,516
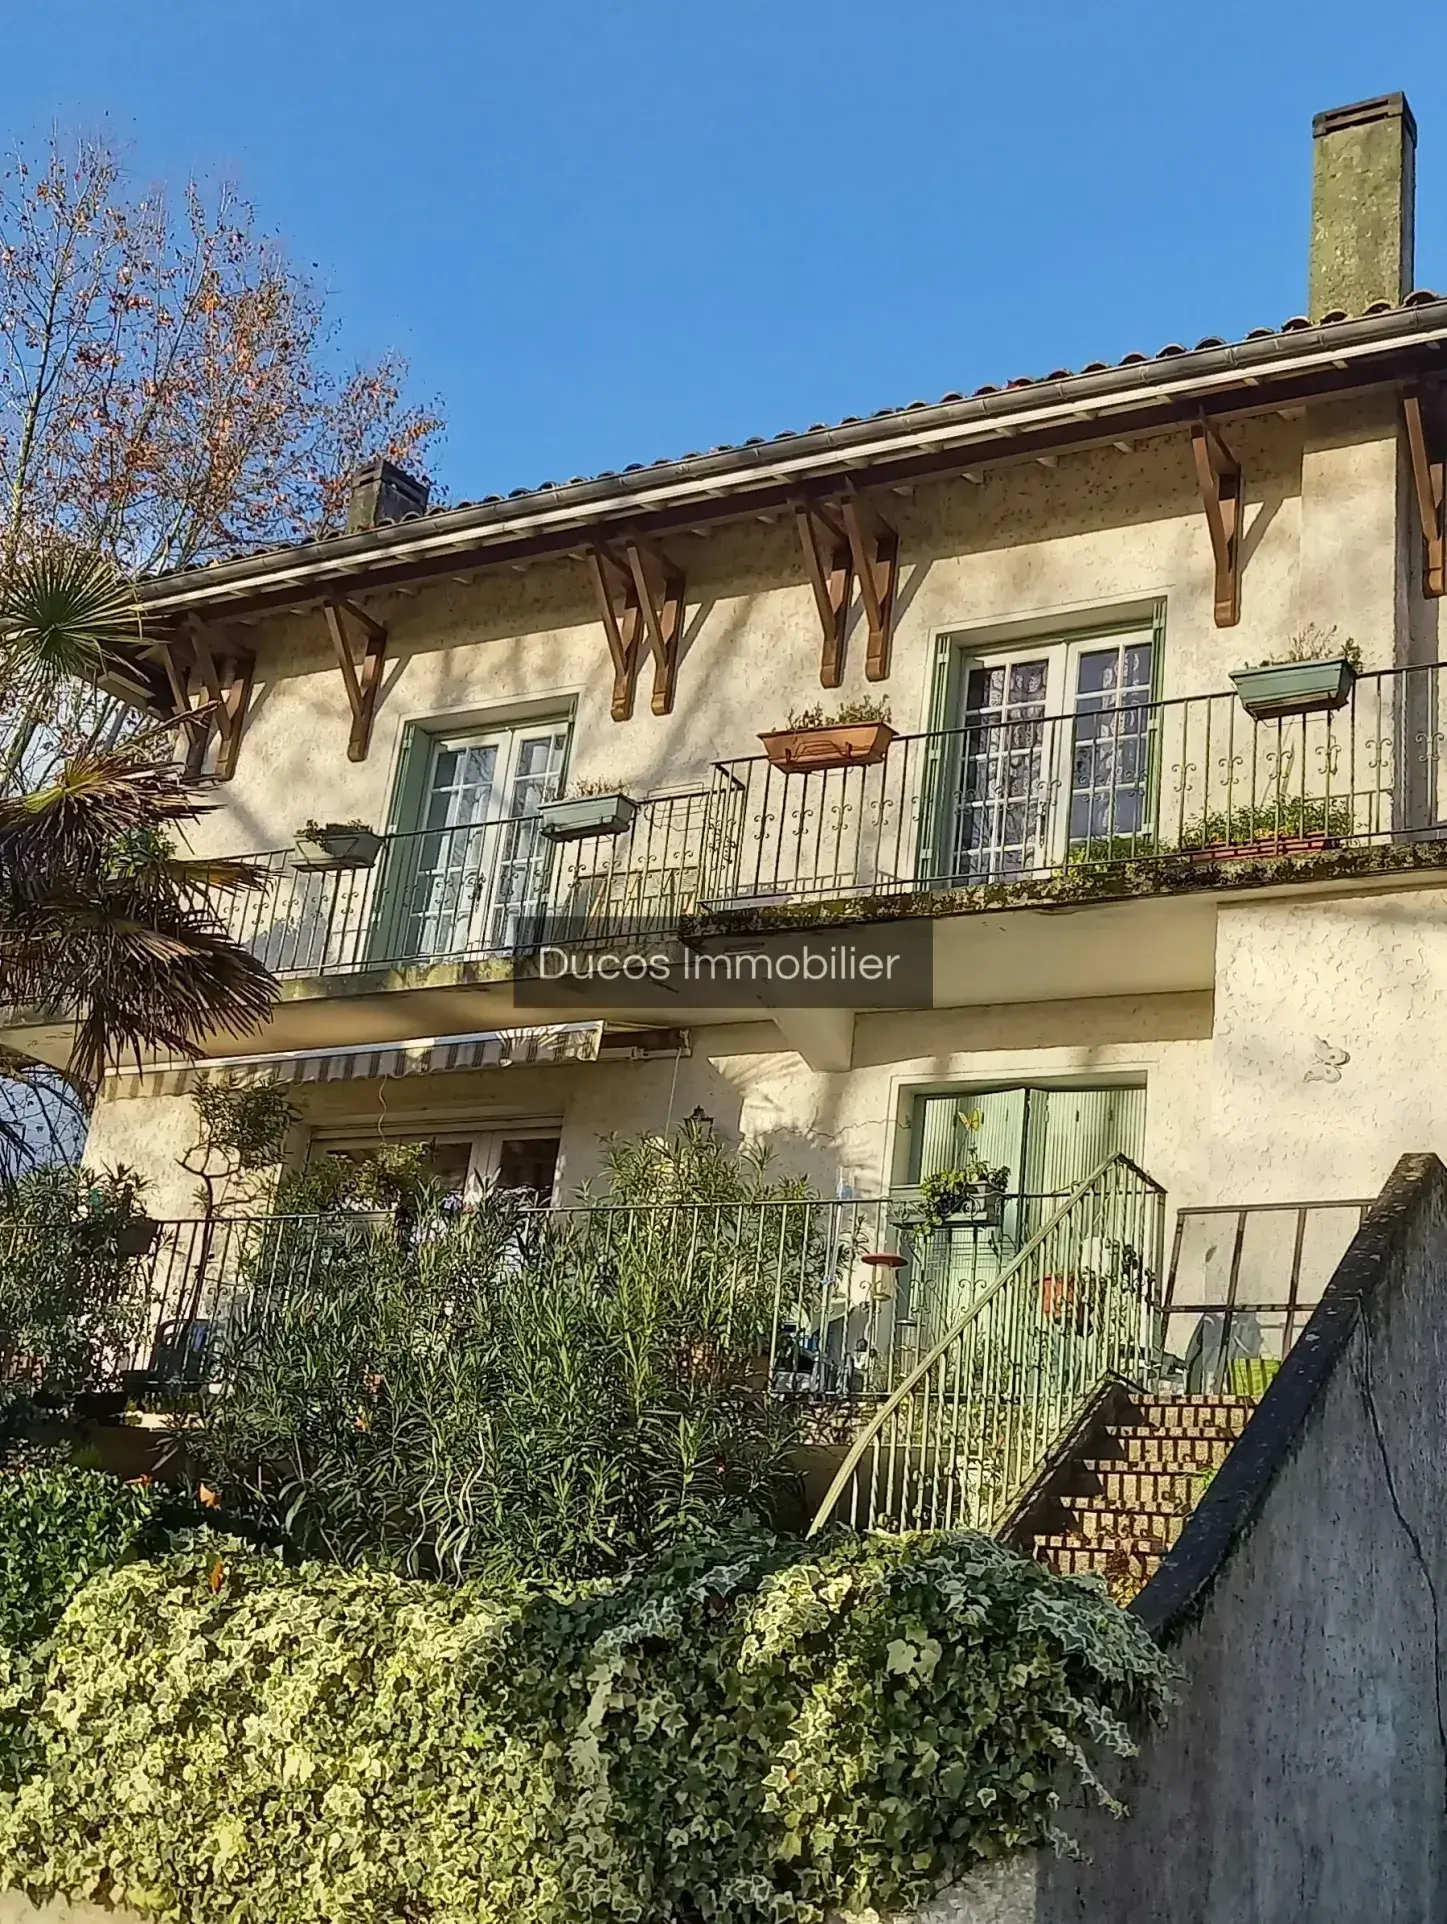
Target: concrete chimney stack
x,y
1362,203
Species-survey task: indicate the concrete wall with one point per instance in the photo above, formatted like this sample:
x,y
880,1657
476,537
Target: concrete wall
x,y
1330,1030
1302,1774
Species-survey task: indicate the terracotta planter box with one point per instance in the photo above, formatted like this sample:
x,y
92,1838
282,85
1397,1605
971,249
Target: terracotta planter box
x,y
587,815
1294,687
338,847
798,750
1265,847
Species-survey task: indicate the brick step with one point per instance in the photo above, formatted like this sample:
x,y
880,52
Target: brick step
x,y
1110,1525
1195,1419
1129,1487
1204,1400
1126,1572
1148,1450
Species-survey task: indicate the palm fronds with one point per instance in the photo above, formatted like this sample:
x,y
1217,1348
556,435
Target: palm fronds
x,y
101,919
63,611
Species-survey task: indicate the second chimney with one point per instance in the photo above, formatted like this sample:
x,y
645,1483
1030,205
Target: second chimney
x,y
1363,187
381,491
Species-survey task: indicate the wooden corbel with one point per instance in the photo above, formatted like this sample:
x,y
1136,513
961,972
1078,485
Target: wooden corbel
x,y
658,583
1425,448
226,674
820,535
874,547
622,623
197,725
1218,475
362,686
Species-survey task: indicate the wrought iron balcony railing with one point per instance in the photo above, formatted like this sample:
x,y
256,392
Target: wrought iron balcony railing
x,y
1020,797
1029,795
472,892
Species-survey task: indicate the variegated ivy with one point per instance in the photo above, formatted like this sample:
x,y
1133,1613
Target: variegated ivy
x,y
750,1731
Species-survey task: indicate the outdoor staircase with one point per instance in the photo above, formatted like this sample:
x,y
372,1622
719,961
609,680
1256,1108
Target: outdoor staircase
x,y
1117,1494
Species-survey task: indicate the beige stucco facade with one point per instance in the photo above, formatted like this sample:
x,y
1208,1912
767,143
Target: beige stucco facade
x,y
1219,1005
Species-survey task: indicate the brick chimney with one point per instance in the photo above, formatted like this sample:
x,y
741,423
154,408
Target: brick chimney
x,y
1363,191
381,491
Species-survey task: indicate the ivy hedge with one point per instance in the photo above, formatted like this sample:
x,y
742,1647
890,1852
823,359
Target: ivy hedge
x,y
750,1731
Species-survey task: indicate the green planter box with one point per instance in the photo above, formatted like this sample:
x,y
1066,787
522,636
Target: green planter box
x,y
336,847
588,815
1294,687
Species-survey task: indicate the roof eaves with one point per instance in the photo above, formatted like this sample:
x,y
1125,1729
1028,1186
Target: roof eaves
x,y
1211,366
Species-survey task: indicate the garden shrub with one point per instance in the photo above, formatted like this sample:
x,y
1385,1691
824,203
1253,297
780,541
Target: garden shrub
x,y
748,1732
58,1528
69,1302
508,1391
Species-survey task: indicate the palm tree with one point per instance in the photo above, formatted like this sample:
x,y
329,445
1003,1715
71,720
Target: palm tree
x,y
99,916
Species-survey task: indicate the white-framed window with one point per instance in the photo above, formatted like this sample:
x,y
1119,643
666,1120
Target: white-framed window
x,y
1052,752
467,1161
479,865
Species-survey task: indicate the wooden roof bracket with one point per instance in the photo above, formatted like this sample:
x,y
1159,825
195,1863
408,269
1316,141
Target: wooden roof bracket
x,y
820,534
658,583
874,546
363,686
227,683
1218,475
196,722
622,618
1425,448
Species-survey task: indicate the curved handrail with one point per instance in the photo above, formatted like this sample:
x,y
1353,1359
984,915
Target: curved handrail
x,y
957,1329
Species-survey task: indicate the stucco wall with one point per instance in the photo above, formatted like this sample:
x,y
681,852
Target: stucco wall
x,y
1330,1033
1301,1775
1100,533
846,1129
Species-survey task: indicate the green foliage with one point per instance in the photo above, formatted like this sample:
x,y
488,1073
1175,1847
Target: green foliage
x,y
848,714
749,1732
57,1528
1276,817
509,1390
241,1132
68,1301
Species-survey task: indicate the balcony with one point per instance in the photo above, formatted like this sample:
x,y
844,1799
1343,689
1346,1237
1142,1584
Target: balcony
x,y
1121,784
1166,800
469,894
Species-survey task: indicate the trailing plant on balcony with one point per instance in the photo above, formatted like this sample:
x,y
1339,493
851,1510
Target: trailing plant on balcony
x,y
972,1190
748,1729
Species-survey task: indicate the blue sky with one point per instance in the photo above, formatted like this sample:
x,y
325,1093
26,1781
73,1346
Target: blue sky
x,y
608,230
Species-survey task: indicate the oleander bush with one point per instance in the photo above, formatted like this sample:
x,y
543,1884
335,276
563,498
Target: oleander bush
x,y
505,1392
747,1731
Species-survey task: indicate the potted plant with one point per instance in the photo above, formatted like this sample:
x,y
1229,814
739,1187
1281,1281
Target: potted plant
x,y
1316,671
337,845
587,808
137,1237
857,733
1284,825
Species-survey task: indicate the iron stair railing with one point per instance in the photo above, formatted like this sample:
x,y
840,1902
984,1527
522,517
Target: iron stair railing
x,y
965,1431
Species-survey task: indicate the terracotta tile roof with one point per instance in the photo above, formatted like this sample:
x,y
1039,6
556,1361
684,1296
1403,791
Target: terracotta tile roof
x,y
1172,350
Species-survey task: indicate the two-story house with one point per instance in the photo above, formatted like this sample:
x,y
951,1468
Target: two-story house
x,y
1201,926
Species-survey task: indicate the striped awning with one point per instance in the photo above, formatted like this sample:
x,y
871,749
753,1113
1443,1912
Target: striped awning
x,y
419,1056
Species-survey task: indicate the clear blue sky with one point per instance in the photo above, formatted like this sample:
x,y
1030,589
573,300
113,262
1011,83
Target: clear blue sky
x,y
608,230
